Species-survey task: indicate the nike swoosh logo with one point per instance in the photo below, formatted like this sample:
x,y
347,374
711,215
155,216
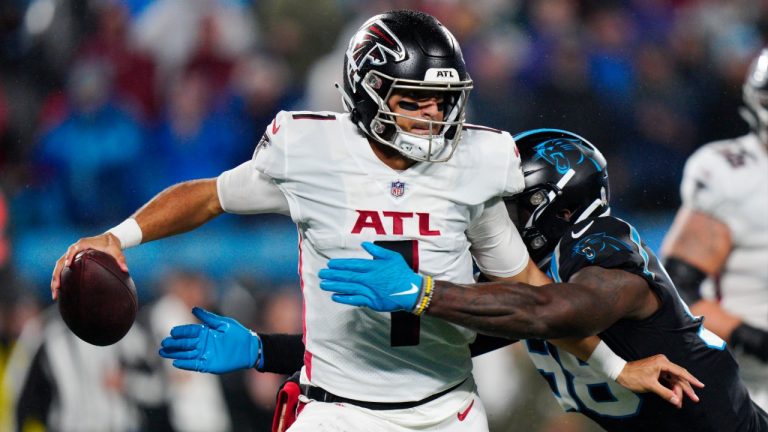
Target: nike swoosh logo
x,y
413,290
581,231
463,415
275,127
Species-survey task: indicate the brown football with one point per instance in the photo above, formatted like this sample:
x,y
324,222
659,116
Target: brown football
x,y
97,300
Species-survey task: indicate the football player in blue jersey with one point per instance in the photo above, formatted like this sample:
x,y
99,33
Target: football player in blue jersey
x,y
608,282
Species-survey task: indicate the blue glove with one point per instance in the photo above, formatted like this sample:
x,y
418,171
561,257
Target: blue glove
x,y
219,345
385,283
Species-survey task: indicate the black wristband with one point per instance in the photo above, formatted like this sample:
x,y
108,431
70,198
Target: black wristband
x,y
283,353
687,279
751,340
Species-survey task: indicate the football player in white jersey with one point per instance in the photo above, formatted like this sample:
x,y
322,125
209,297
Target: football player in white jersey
x,y
717,247
371,175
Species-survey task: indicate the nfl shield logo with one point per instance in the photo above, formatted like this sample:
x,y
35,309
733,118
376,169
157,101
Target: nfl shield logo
x,y
398,188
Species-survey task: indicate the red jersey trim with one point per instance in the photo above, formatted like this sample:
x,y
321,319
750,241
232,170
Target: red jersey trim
x,y
307,354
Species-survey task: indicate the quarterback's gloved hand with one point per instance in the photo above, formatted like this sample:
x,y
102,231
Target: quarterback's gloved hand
x,y
385,283
219,345
751,340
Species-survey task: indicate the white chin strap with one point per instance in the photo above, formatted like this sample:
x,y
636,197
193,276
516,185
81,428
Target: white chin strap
x,y
419,148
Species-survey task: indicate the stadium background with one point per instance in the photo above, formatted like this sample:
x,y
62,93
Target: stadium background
x,y
103,103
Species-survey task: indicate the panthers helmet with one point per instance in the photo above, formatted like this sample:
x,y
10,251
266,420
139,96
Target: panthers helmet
x,y
755,94
406,51
562,171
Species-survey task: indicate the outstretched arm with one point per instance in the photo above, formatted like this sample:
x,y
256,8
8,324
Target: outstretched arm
x,y
593,300
183,207
218,345
518,310
177,209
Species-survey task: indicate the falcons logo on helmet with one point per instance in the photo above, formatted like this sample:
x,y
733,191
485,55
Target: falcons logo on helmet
x,y
372,44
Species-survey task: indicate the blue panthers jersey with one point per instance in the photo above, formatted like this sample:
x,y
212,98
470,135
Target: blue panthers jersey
x,y
725,404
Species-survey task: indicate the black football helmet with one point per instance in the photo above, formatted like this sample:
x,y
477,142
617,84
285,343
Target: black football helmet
x,y
755,94
406,51
562,171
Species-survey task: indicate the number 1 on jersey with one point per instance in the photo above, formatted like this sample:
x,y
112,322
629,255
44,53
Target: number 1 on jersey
x,y
405,327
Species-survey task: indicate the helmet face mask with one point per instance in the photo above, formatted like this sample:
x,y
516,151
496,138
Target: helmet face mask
x,y
566,181
755,95
397,53
433,147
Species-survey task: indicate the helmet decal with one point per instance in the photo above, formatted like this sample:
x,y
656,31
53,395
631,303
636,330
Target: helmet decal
x,y
554,152
591,246
373,43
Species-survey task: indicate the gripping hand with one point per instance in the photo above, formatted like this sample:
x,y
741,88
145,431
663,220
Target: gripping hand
x,y
385,283
218,345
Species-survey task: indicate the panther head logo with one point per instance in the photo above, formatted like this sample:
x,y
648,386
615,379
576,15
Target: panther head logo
x,y
556,152
592,245
373,44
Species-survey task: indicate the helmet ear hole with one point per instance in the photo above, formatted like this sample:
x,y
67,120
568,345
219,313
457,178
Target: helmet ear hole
x,y
373,81
564,214
537,198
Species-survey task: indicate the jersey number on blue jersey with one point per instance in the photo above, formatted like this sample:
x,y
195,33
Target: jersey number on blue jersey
x,y
577,386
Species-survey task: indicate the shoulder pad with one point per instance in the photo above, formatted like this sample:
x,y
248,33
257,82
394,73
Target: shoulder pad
x,y
604,241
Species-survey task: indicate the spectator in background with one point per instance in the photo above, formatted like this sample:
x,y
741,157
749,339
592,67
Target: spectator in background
x,y
133,70
260,86
60,383
565,95
662,119
175,31
195,402
5,243
611,35
269,309
548,23
208,60
85,167
497,57
299,31
4,129
18,306
194,137
717,248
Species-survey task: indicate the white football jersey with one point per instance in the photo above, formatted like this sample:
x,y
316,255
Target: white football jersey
x,y
728,180
340,195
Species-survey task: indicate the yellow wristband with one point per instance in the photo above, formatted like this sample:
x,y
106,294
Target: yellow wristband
x,y
426,297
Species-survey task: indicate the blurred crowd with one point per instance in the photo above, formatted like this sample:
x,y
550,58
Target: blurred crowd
x,y
103,103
